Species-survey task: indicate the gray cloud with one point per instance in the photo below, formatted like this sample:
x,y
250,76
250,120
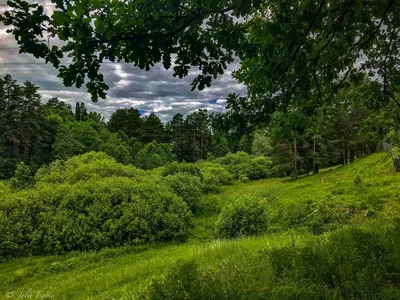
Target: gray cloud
x,y
153,91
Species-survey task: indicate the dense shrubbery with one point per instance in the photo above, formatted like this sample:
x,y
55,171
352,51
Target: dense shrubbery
x,y
243,216
183,167
214,176
153,155
188,187
84,167
22,177
3,187
246,167
90,202
90,215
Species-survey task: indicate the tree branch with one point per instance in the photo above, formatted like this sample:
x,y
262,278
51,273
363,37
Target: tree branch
x,y
178,30
386,61
361,45
294,56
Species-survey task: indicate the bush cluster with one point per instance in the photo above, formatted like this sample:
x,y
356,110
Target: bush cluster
x,y
91,165
77,208
90,201
153,155
246,167
188,187
214,176
183,167
244,216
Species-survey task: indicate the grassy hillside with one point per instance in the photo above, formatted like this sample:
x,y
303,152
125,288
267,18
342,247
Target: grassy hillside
x,y
337,239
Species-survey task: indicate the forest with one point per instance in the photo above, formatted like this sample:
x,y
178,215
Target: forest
x,y
292,192
34,134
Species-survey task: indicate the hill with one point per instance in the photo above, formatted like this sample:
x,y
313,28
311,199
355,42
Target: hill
x,y
337,239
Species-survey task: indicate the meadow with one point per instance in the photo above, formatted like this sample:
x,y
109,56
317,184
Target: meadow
x,y
332,240
175,164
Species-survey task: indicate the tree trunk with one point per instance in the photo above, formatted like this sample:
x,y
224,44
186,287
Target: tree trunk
x,y
295,157
313,163
194,148
352,155
201,146
345,154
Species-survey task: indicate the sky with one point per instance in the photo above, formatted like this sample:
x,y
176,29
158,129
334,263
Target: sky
x,y
153,91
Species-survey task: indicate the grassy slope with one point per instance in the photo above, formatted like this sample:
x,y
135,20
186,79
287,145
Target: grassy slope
x,y
298,210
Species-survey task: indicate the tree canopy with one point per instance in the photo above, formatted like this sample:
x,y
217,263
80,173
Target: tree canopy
x,y
196,33
304,48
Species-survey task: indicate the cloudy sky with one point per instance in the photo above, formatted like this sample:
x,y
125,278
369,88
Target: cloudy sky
x,y
154,91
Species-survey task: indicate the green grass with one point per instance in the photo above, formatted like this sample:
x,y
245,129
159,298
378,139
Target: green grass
x,y
305,215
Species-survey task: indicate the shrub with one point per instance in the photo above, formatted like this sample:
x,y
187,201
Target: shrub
x,y
214,175
242,164
22,177
84,167
212,204
3,187
244,178
90,215
153,155
188,187
244,216
260,167
183,167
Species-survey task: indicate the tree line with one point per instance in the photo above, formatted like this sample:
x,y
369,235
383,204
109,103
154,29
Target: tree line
x,y
37,133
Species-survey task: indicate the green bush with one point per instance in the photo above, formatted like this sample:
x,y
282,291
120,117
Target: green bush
x,y
84,167
22,177
244,178
214,176
154,155
244,216
90,215
242,164
3,187
182,167
212,204
188,187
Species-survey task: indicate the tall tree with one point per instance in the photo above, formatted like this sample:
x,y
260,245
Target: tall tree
x,y
19,115
152,129
199,133
177,134
80,111
126,120
54,105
